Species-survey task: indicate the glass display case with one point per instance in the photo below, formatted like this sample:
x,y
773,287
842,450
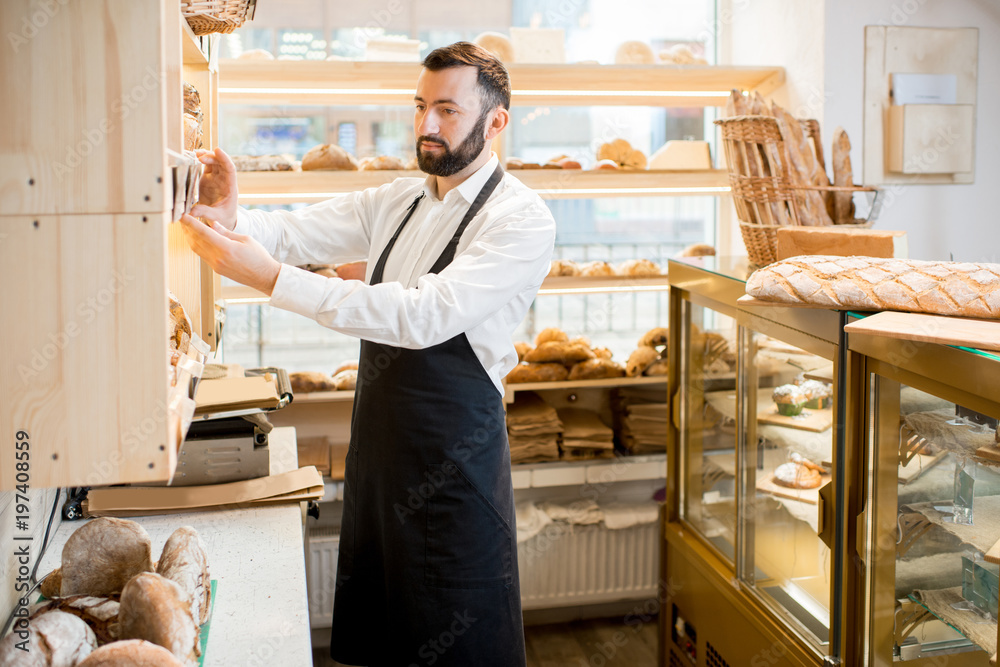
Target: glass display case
x,y
933,512
755,456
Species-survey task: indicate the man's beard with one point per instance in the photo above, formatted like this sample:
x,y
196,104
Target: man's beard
x,y
451,162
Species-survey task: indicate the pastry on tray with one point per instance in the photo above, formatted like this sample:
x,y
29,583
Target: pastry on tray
x,y
818,394
796,475
790,399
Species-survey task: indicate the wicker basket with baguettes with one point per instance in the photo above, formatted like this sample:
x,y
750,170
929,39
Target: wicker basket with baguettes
x,y
778,175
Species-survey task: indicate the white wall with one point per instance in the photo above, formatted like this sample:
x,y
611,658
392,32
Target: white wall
x,y
940,220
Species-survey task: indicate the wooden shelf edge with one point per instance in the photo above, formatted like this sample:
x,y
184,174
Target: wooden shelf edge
x,y
192,53
587,384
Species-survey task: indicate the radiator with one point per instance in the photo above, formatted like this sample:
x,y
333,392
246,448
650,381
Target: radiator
x,y
321,575
567,565
563,566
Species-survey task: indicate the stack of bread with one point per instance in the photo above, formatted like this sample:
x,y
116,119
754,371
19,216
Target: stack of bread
x,y
110,605
533,429
555,357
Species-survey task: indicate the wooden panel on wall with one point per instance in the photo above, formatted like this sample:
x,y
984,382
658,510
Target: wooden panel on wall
x,y
84,369
82,127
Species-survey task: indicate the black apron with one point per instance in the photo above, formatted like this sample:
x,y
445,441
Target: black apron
x,y
427,573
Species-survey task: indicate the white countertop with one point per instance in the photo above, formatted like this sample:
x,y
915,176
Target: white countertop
x,y
260,614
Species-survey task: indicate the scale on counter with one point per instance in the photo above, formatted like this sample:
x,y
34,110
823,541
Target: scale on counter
x,y
228,437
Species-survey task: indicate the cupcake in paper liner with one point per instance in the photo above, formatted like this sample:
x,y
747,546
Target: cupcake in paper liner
x,y
789,399
818,394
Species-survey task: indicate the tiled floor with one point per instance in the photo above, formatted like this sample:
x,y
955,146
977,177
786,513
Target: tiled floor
x,y
593,643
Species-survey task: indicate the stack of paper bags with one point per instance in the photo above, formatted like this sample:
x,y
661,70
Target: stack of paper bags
x,y
641,415
584,435
533,429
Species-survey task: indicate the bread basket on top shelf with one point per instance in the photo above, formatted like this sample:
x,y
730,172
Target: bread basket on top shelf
x,y
208,16
768,191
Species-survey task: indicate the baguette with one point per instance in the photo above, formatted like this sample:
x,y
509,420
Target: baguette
x,y
736,105
802,169
963,289
843,203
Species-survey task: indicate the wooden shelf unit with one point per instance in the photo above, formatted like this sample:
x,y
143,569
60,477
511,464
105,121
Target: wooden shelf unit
x,y
309,187
304,82
86,237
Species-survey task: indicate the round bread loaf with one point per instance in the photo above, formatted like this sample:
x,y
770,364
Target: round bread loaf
x,y
634,52
497,44
537,373
156,609
522,348
596,369
385,162
606,164
638,268
550,333
597,269
346,380
330,157
658,367
305,382
101,614
655,337
697,250
55,639
131,653
346,366
564,267
622,152
560,352
102,555
185,562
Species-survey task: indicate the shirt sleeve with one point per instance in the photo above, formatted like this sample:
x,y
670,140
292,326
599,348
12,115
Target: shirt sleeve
x,y
507,259
331,232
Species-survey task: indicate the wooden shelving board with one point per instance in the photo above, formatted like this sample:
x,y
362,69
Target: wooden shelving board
x,y
308,187
551,286
306,82
587,384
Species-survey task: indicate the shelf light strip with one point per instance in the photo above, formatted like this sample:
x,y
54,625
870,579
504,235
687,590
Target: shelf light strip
x,y
409,91
319,196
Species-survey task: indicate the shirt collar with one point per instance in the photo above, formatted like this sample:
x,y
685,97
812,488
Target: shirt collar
x,y
471,186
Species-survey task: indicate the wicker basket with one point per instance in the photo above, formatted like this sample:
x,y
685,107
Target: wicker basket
x,y
208,16
765,195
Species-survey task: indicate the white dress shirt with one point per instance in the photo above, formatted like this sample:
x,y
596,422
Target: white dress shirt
x,y
499,264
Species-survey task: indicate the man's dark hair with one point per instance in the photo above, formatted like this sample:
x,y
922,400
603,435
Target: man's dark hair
x,y
494,81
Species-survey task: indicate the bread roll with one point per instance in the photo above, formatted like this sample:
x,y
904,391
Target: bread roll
x,y
697,250
55,639
605,164
655,337
602,353
156,609
131,653
522,348
264,163
597,270
102,555
328,157
346,366
537,373
306,382
384,162
346,380
964,289
560,352
843,202
550,333
638,268
256,54
185,562
569,163
640,359
622,152
497,44
596,369
564,267
634,52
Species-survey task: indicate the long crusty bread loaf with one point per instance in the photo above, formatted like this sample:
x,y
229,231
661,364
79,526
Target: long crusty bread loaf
x,y
869,283
185,562
843,205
